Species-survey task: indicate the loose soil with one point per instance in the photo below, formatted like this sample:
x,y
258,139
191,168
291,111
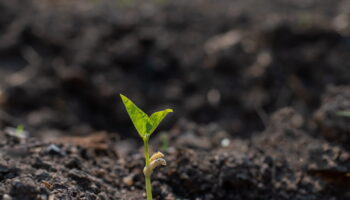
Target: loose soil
x,y
256,86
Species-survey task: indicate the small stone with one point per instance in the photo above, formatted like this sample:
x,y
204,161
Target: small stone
x,y
54,149
225,142
6,197
129,180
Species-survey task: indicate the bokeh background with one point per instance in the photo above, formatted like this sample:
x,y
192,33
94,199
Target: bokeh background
x,y
232,63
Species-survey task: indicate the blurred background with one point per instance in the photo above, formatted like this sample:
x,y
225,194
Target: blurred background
x,y
230,62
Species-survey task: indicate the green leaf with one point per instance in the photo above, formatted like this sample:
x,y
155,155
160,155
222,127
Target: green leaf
x,y
157,117
140,119
144,125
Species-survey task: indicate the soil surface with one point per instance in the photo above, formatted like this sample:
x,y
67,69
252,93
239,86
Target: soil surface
x,y
259,89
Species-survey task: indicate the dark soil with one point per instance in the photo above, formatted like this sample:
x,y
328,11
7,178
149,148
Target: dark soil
x,y
256,85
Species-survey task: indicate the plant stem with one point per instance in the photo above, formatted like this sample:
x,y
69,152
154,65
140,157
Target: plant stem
x,y
148,187
147,178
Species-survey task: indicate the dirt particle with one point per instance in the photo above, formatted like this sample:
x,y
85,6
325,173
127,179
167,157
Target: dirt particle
x,y
23,191
7,172
129,180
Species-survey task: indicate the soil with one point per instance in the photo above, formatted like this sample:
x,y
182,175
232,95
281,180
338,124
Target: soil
x,y
256,86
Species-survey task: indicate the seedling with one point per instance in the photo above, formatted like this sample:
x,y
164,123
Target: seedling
x,y
19,130
145,126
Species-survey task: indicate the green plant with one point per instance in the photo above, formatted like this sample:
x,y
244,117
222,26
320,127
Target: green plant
x,y
145,126
19,132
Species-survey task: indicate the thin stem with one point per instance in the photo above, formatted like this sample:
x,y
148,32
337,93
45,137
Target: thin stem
x,y
147,178
146,152
148,187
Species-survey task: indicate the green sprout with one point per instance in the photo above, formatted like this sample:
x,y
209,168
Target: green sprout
x,y
20,132
145,126
20,129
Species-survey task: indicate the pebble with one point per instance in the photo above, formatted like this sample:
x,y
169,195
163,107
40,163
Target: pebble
x,y
129,180
54,149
